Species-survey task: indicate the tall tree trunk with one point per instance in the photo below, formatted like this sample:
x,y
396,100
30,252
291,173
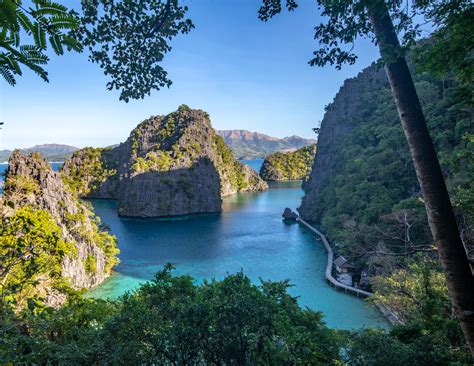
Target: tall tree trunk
x,y
444,229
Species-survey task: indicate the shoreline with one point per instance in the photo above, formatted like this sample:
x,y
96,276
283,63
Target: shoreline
x,y
388,314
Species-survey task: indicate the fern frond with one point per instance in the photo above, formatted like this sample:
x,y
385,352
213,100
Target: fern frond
x,y
55,42
7,75
39,36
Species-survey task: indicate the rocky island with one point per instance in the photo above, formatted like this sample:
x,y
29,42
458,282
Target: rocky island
x,y
170,165
291,165
67,227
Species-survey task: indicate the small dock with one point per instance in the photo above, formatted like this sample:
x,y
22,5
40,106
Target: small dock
x,y
390,315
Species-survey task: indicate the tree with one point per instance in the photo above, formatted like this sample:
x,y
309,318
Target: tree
x,y
43,23
348,20
31,249
173,321
127,39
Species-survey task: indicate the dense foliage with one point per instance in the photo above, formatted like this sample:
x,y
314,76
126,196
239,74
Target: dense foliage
x,y
43,23
363,207
173,321
92,171
31,253
129,39
44,228
292,165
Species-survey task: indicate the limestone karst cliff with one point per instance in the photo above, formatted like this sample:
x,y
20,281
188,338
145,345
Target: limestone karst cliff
x,y
346,111
363,179
170,165
291,165
30,182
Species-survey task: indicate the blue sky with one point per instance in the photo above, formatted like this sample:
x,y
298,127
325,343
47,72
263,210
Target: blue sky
x,y
247,74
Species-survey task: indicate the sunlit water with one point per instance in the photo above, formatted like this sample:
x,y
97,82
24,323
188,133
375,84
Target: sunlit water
x,y
248,235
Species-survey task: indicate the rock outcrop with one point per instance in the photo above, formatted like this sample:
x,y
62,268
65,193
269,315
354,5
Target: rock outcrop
x,y
341,117
289,215
31,182
170,165
291,165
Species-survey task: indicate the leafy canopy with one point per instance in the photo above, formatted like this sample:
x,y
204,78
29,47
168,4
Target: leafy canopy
x,y
128,39
43,23
346,21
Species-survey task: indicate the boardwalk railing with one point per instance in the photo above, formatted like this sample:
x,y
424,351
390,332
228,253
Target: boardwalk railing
x,y
390,315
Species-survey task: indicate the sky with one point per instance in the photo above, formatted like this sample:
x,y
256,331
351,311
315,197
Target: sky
x,y
245,73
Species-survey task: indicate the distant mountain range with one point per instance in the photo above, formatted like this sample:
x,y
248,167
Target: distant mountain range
x,y
52,152
252,145
244,144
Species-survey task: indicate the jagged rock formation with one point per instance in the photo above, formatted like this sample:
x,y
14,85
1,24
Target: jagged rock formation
x,y
31,182
170,165
363,181
341,117
292,165
252,145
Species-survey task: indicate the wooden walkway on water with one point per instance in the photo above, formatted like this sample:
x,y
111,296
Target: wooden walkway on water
x,y
390,315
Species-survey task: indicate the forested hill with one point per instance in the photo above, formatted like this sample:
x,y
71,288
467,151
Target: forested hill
x,y
363,187
251,145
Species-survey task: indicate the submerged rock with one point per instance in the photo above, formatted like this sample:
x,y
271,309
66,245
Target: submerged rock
x,y
170,165
30,182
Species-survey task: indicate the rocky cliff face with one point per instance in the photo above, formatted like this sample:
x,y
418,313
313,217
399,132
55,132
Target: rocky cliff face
x,y
292,165
339,120
31,182
170,165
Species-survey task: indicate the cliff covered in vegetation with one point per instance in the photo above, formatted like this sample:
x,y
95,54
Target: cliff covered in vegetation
x,y
363,187
59,241
292,165
170,165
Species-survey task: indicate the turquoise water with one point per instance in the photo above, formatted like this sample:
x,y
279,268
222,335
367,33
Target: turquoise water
x,y
248,235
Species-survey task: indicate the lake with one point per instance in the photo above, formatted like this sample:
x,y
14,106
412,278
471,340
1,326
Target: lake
x,y
249,235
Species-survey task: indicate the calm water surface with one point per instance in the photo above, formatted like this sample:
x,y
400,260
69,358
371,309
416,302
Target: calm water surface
x,y
248,235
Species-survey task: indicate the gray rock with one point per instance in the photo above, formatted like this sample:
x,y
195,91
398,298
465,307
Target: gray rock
x,y
288,214
56,198
170,165
337,123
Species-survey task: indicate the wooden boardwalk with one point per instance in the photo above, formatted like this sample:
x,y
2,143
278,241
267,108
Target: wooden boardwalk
x,y
390,315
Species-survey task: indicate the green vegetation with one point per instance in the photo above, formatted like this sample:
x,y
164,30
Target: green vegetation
x,y
90,264
361,206
21,185
113,33
230,166
31,253
172,321
86,171
157,161
393,26
294,165
45,23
